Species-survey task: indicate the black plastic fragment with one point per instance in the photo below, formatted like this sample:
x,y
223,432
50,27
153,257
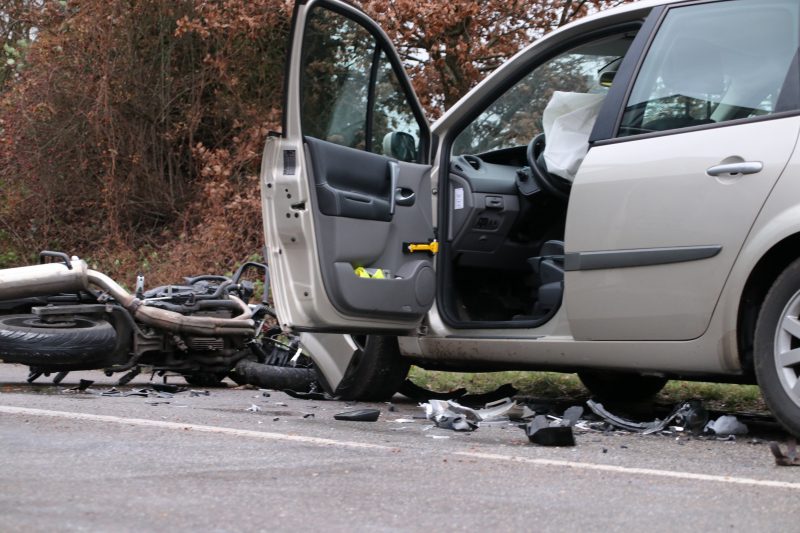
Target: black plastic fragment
x,y
138,392
539,432
83,385
305,395
195,393
112,392
308,415
166,387
362,415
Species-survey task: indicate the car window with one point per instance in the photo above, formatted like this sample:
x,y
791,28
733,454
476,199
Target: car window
x,y
715,62
392,112
338,89
516,117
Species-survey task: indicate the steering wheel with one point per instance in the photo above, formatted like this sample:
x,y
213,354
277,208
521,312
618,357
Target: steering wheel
x,y
556,186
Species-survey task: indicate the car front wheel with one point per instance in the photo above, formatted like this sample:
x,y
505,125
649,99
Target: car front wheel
x,y
777,348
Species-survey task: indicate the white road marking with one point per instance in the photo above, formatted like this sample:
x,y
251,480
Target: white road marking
x,y
363,445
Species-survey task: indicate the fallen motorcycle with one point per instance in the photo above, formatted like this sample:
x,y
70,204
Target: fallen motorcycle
x,y
61,316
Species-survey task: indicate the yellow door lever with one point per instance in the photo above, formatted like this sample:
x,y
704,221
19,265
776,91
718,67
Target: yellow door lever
x,y
431,247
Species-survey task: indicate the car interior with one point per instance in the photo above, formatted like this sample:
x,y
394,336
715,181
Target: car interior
x,y
505,222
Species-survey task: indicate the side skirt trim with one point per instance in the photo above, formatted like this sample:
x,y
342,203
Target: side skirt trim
x,y
637,258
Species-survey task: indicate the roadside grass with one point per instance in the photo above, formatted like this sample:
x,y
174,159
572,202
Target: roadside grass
x,y
740,398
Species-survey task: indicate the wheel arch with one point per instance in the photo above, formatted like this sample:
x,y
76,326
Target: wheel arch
x,y
760,279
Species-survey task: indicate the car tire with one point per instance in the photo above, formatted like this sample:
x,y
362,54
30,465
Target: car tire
x,y
622,386
376,372
24,339
775,338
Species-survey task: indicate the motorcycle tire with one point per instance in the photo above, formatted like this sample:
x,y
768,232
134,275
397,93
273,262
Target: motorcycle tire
x,y
25,339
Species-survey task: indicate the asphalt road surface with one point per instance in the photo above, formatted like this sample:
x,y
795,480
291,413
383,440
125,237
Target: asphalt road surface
x,y
82,462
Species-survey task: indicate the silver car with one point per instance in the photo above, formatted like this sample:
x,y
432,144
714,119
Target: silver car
x,y
621,199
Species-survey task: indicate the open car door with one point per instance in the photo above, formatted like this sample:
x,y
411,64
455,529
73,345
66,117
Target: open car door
x,y
346,187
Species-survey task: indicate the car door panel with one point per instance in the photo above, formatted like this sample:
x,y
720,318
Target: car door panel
x,y
656,194
336,198
346,242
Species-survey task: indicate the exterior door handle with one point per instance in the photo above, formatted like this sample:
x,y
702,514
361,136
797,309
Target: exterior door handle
x,y
748,167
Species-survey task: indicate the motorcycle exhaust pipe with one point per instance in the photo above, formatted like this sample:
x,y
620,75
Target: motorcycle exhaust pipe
x,y
72,277
176,322
43,280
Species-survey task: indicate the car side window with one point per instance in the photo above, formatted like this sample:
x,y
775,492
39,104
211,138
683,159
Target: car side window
x,y
340,86
716,62
517,116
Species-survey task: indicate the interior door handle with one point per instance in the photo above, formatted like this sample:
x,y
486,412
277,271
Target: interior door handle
x,y
405,197
394,175
748,167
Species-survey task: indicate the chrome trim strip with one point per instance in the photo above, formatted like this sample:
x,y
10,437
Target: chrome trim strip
x,y
637,258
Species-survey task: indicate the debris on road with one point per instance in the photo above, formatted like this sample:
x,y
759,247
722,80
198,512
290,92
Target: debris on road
x,y
540,432
138,392
82,386
195,393
726,425
452,415
166,387
690,415
307,395
362,415
111,392
790,459
253,408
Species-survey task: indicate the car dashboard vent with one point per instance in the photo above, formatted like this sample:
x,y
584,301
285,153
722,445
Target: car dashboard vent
x,y
474,162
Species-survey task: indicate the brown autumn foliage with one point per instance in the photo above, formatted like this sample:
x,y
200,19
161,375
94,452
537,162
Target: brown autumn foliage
x,y
131,132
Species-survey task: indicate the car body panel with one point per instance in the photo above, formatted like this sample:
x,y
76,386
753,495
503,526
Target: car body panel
x,y
656,193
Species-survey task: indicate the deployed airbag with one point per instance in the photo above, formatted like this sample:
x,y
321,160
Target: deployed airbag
x,y
568,121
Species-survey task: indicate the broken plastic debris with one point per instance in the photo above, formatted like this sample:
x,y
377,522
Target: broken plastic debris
x,y
540,432
403,420
164,395
253,408
305,395
138,392
281,404
790,459
82,386
111,392
194,393
727,425
362,415
690,414
308,415
166,387
572,415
